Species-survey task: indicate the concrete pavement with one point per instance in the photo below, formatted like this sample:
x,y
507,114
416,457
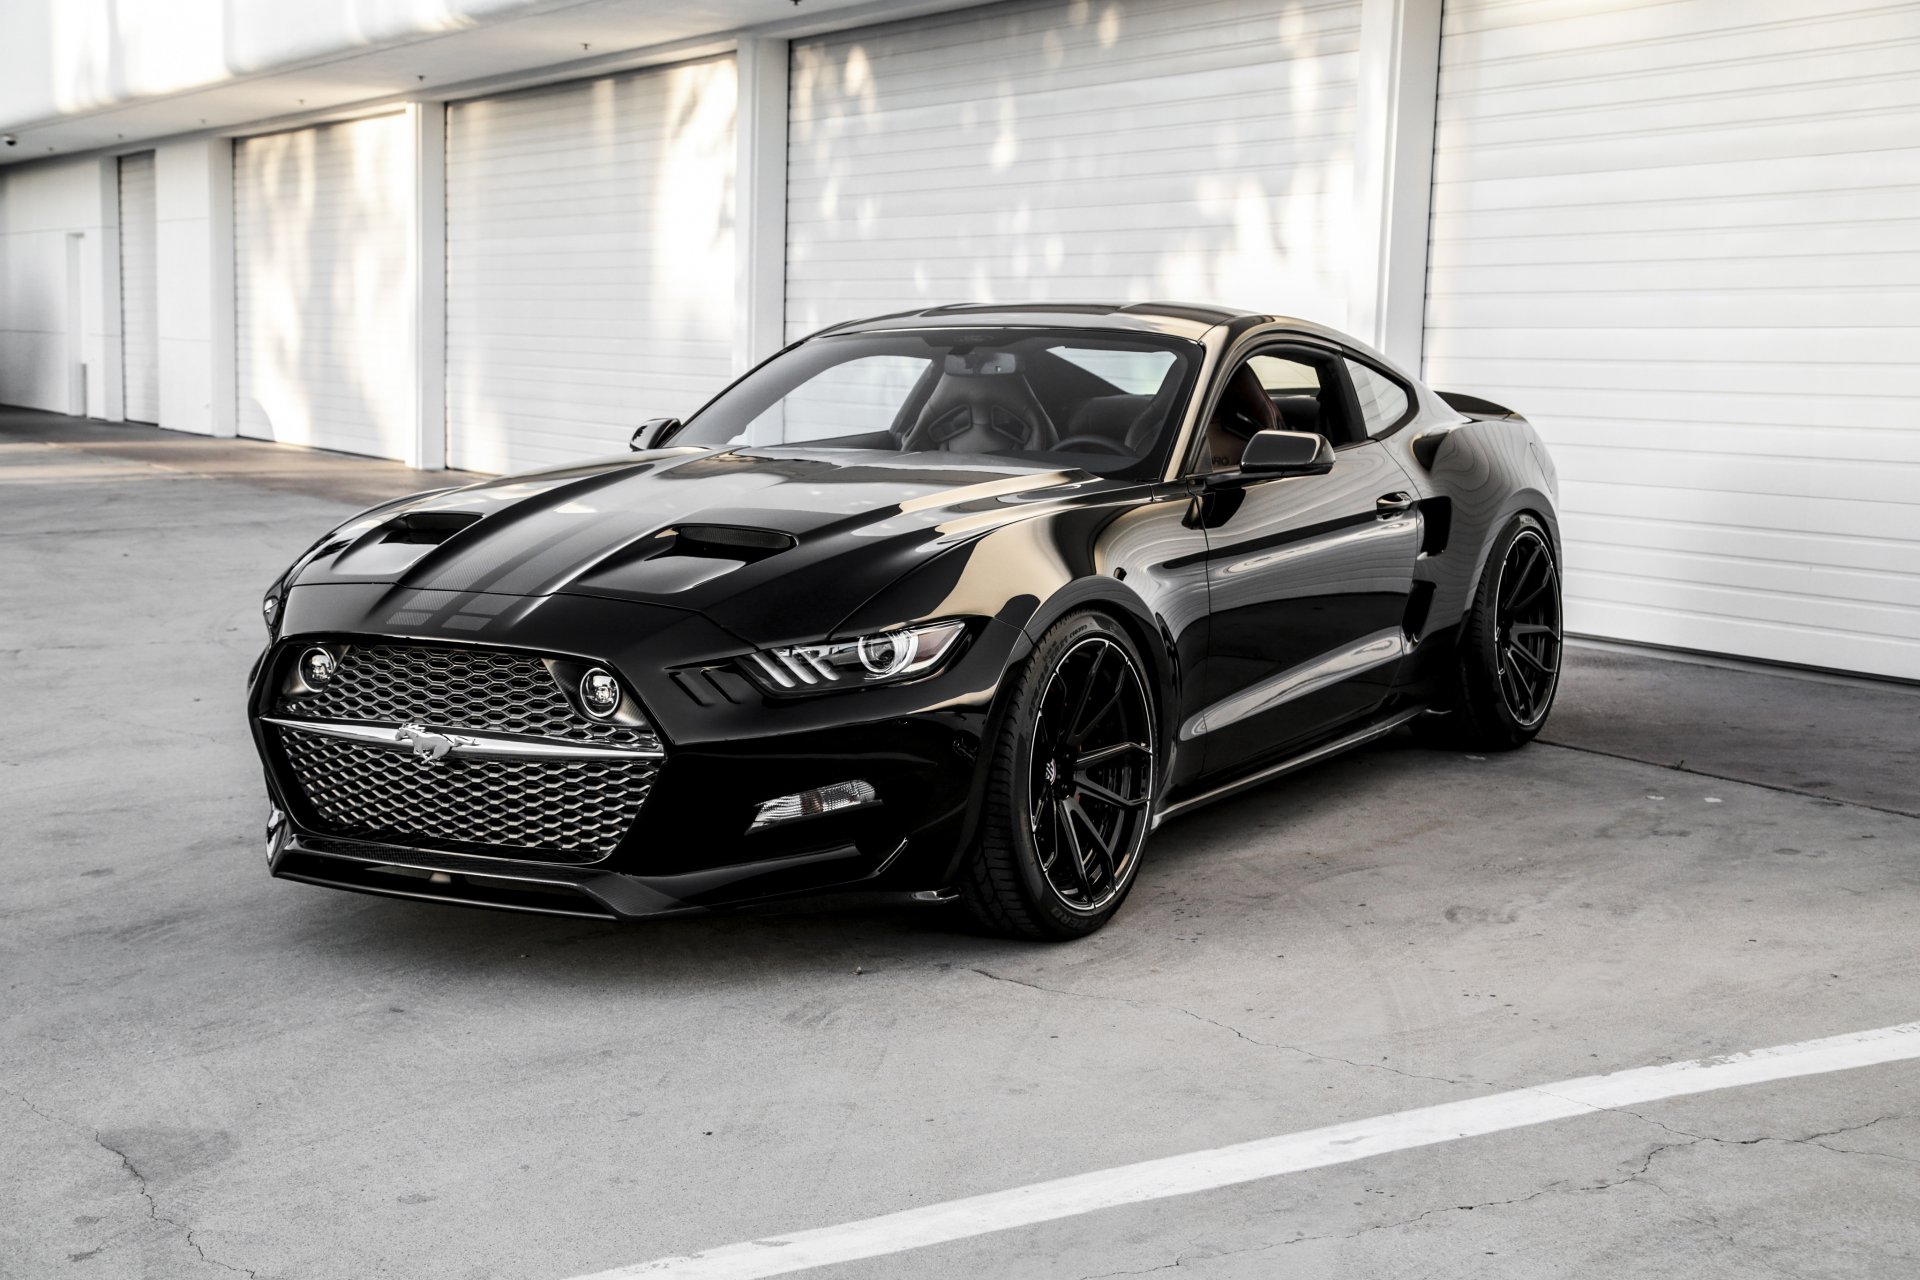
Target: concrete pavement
x,y
210,1071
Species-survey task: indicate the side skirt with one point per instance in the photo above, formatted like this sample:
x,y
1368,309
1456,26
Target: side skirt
x,y
1358,737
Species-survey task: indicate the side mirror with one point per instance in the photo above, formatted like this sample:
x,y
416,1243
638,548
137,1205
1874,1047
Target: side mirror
x,y
1287,453
650,434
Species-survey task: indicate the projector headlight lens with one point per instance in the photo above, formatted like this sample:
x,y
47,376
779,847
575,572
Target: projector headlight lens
x,y
884,656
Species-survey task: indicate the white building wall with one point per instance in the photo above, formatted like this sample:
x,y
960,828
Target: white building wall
x,y
42,337
589,261
1199,151
1683,242
67,56
193,228
324,286
139,287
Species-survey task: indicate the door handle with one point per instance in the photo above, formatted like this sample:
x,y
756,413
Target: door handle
x,y
1389,505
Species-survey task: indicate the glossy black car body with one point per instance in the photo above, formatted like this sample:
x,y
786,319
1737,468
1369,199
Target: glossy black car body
x,y
1281,619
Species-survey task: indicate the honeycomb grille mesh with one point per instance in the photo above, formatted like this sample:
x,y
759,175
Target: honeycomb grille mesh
x,y
451,688
565,810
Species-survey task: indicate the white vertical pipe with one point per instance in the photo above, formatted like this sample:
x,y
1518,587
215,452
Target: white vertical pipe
x,y
427,260
223,407
112,338
760,201
1393,173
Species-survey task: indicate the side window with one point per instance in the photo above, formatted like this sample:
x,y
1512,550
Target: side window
x,y
1383,402
1306,393
1281,376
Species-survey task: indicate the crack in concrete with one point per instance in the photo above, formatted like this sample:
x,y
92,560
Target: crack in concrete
x,y
1639,1176
140,1185
1726,777
1811,1140
1152,1006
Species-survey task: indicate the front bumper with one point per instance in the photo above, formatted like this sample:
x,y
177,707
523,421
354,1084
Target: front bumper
x,y
726,750
546,888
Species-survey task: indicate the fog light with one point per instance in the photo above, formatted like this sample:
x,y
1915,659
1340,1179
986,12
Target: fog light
x,y
811,804
600,692
316,667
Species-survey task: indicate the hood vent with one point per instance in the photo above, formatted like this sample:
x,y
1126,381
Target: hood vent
x,y
725,542
427,528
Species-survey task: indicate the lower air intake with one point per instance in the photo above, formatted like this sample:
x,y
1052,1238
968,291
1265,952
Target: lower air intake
x,y
553,810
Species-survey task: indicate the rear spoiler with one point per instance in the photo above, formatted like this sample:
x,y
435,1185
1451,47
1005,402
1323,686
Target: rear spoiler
x,y
1426,445
1476,408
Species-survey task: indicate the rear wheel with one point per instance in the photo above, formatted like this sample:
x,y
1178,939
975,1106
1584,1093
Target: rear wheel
x,y
1509,666
1070,793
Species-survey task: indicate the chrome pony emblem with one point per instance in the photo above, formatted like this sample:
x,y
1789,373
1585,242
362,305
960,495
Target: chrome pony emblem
x,y
425,742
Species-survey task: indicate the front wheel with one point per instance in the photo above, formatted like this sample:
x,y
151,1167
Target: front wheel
x,y
1510,645
1071,787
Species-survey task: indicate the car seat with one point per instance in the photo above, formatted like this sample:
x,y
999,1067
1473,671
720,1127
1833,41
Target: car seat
x,y
983,404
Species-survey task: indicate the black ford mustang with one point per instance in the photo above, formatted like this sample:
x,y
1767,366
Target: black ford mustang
x,y
963,601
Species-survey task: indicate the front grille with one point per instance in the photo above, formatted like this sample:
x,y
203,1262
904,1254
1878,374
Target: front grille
x,y
547,808
449,688
571,810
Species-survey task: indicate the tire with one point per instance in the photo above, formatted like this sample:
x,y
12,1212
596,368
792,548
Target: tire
x,y
1510,647
1070,788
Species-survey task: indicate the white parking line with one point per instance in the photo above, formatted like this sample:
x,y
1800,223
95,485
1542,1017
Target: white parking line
x,y
1268,1157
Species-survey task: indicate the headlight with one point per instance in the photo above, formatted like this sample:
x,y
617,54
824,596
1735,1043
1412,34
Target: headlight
x,y
851,664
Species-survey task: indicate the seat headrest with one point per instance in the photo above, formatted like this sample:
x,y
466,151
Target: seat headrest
x,y
1111,417
1245,407
1298,413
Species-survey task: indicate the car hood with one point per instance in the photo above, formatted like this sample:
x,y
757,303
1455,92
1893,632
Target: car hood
x,y
806,534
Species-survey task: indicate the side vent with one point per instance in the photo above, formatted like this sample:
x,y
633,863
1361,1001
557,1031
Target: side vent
x,y
710,686
1436,525
427,528
1419,605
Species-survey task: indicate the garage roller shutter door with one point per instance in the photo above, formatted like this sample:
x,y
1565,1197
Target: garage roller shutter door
x,y
322,286
139,291
589,262
1197,150
1680,238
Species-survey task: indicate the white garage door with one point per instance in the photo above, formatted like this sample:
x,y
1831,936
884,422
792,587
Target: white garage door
x,y
589,262
322,290
1129,149
139,292
1680,237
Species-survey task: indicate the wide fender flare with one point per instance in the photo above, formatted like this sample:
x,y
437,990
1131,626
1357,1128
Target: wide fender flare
x,y
1148,630
1532,502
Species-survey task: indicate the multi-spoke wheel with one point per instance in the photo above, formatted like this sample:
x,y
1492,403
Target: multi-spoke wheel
x,y
1071,790
1527,627
1509,648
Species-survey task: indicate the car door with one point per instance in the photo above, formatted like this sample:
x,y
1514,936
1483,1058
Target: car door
x,y
1309,576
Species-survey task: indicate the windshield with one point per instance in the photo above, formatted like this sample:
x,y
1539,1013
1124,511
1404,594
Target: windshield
x,y
1094,399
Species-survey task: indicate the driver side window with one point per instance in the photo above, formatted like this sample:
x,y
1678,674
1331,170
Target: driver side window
x,y
1281,389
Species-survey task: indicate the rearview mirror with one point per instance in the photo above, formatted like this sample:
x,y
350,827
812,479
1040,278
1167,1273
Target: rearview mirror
x,y
651,433
1287,453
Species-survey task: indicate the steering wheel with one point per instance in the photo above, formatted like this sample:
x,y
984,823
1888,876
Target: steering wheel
x,y
1101,443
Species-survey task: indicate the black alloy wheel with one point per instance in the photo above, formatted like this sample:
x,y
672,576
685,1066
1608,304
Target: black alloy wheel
x,y
1070,796
1091,773
1510,649
1527,628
